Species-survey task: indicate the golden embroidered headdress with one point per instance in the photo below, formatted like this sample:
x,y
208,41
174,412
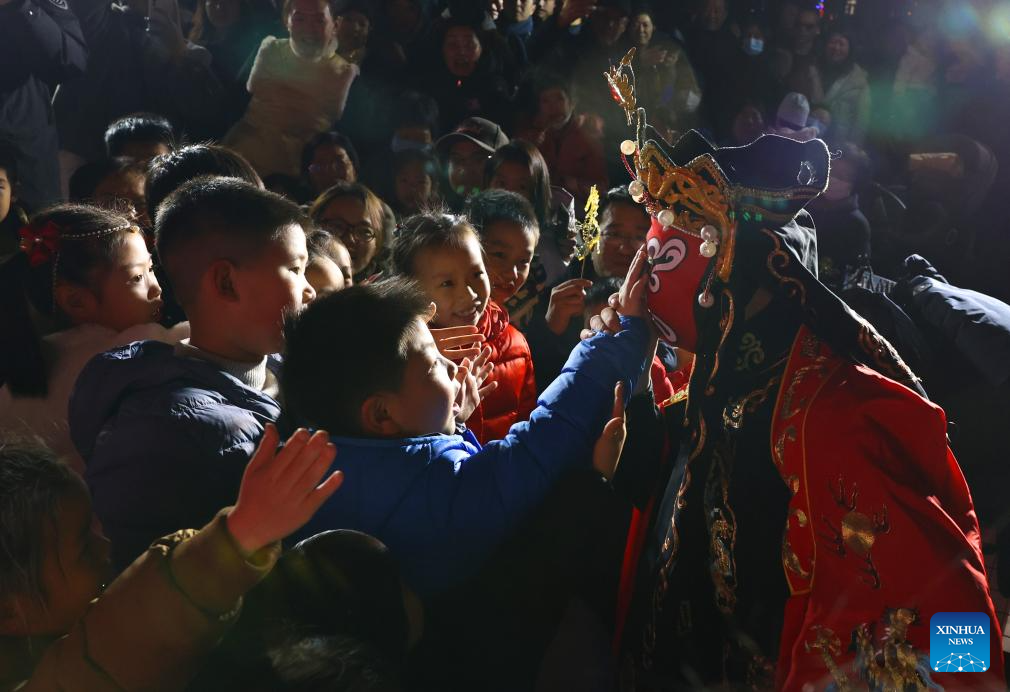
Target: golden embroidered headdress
x,y
746,204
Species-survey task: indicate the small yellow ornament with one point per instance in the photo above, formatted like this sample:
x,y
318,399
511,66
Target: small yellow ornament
x,y
588,236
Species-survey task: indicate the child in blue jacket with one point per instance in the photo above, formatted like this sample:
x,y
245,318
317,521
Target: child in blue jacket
x,y
415,478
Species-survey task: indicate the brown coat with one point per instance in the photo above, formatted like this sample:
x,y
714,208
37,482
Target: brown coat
x,y
154,622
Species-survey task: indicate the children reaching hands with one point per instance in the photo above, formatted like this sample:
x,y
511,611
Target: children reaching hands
x,y
440,501
88,271
443,254
152,624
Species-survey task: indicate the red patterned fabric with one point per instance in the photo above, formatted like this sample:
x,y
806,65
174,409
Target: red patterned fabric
x,y
881,518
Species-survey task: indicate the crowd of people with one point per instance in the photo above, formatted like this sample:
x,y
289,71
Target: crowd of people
x,y
323,279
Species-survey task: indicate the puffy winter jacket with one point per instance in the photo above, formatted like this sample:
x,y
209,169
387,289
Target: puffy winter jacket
x,y
848,98
516,395
164,439
442,503
41,46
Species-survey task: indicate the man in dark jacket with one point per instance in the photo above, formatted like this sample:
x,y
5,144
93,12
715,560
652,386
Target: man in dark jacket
x,y
40,46
131,69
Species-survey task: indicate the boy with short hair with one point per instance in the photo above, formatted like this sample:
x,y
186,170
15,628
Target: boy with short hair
x,y
509,233
166,431
416,479
168,172
139,136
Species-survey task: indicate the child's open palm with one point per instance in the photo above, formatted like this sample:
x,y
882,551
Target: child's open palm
x,y
456,343
471,376
281,488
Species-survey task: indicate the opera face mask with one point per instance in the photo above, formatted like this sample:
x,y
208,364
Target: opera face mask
x,y
677,268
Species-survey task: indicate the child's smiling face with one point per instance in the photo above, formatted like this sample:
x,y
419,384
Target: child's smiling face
x,y
508,250
455,280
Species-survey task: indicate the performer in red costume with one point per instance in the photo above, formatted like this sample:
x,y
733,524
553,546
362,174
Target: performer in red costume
x,y
813,518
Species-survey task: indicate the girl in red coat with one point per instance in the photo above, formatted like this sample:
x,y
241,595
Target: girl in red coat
x,y
444,254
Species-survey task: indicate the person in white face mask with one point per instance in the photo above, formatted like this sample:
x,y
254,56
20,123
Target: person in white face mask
x,y
843,232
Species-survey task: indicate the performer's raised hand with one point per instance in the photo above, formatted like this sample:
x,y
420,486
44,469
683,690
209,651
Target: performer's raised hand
x,y
608,448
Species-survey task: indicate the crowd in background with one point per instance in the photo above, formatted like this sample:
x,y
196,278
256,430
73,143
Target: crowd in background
x,y
366,116
915,98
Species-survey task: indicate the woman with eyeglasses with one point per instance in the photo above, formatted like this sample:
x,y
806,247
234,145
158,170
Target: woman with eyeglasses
x,y
354,215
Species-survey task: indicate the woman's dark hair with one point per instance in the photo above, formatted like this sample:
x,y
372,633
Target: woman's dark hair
x,y
32,483
528,156
87,241
427,230
332,138
167,172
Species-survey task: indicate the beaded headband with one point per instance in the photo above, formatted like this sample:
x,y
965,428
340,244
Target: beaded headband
x,y
43,243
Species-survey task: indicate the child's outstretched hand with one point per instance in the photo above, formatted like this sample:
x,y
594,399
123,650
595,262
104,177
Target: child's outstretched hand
x,y
281,489
456,343
607,452
471,376
631,301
